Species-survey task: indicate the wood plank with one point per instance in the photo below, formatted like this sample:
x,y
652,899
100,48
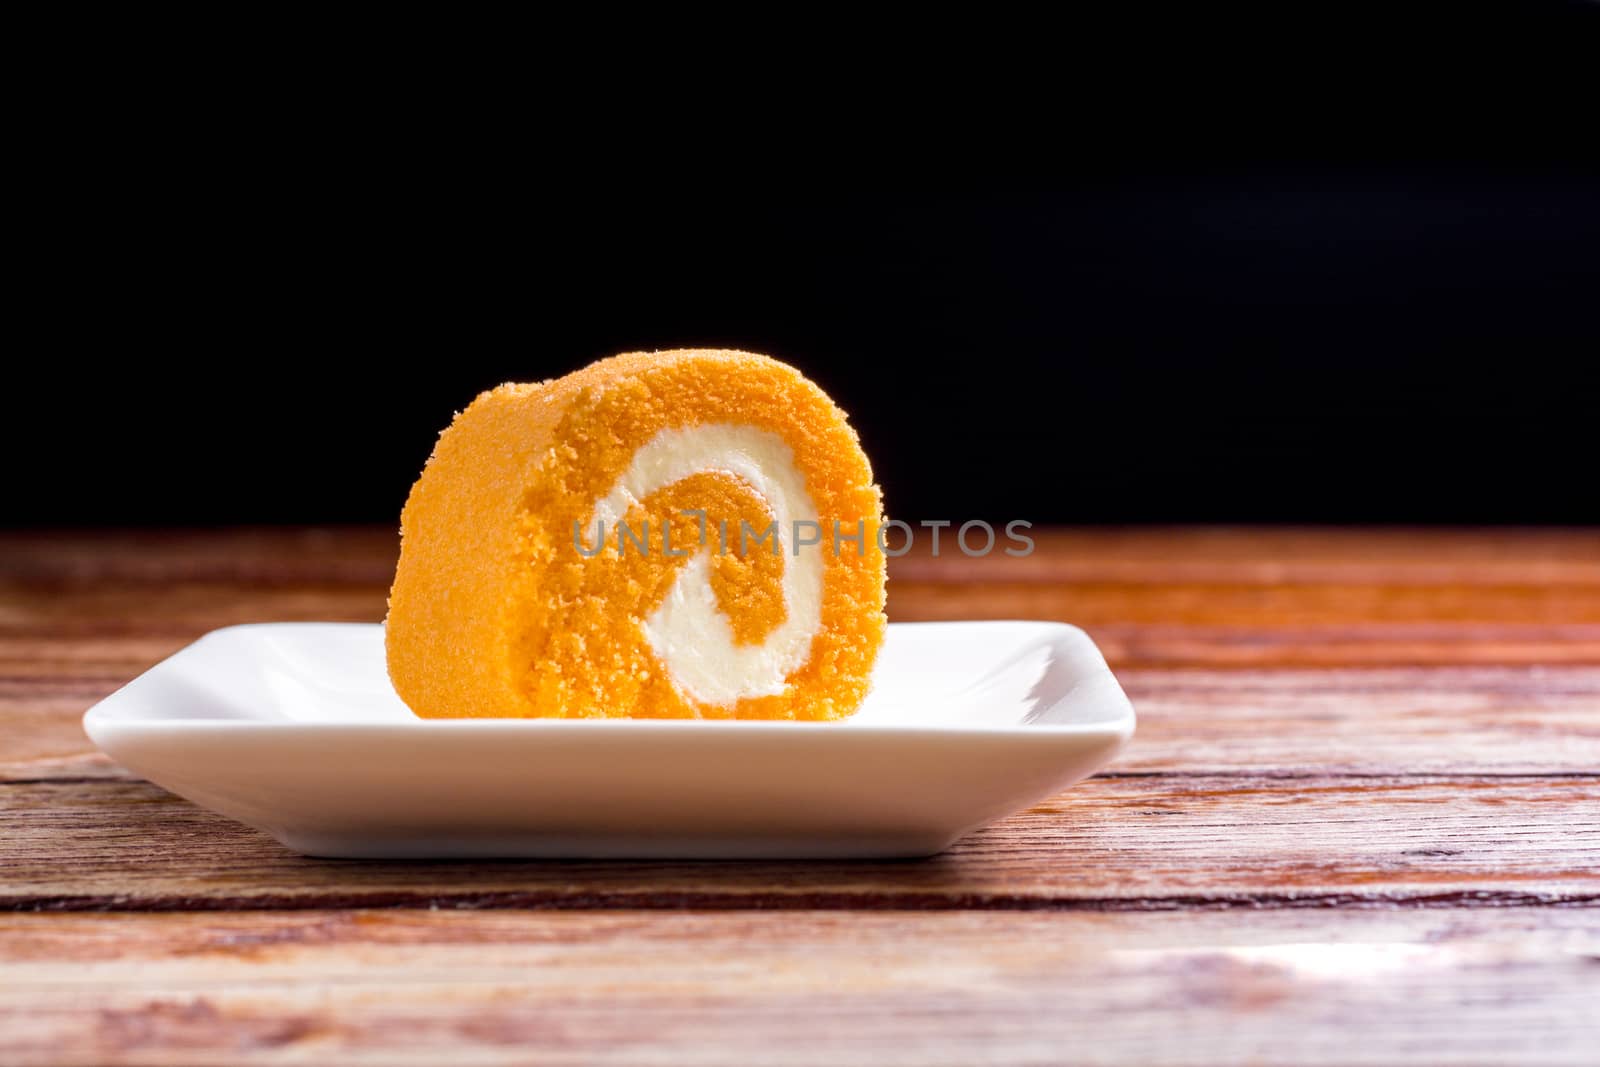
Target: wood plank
x,y
81,613
1277,555
1286,625
1445,720
293,555
1309,987
71,592
1253,555
1152,645
1262,598
1336,596
60,653
1373,861
1393,721
1378,721
1132,843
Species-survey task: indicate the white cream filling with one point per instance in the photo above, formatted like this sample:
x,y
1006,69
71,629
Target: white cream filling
x,y
688,632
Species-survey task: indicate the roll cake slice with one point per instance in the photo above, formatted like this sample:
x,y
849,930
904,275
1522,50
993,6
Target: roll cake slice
x,y
683,534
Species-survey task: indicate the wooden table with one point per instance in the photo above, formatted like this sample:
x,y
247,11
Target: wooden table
x,y
1360,824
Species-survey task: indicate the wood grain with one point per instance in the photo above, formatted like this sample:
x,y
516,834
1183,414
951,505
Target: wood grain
x,y
81,613
1117,843
1360,824
1388,721
1270,598
1368,721
408,987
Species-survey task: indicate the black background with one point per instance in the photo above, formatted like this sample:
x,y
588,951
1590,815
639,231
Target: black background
x,y
1370,326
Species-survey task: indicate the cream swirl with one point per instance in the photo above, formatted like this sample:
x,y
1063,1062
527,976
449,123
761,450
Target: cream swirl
x,y
688,631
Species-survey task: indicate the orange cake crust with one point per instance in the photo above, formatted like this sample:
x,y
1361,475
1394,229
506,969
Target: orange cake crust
x,y
496,612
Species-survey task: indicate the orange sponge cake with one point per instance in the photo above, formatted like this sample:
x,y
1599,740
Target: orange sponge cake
x,y
673,534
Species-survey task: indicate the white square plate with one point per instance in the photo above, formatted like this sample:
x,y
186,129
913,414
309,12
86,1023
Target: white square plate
x,y
294,729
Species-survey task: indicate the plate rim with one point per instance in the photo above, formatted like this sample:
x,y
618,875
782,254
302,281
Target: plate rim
x,y
99,723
